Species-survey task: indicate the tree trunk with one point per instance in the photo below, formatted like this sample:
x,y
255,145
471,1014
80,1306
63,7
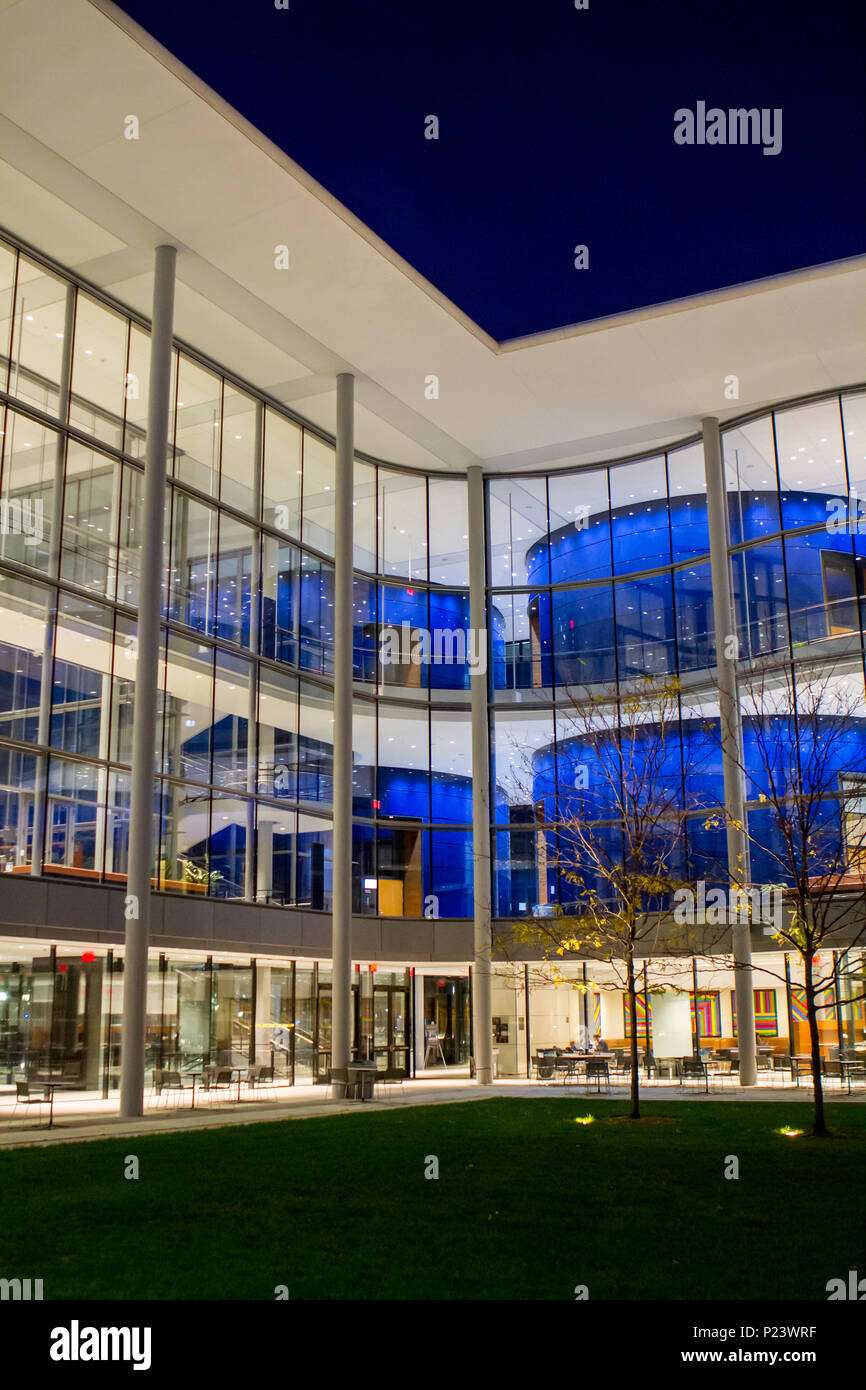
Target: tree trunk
x,y
819,1126
632,1013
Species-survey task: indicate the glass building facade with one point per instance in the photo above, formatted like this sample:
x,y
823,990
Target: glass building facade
x,y
596,578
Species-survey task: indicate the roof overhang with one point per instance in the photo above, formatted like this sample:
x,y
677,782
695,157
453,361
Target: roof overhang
x,y
200,176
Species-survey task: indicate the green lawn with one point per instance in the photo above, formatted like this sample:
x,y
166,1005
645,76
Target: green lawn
x,y
528,1204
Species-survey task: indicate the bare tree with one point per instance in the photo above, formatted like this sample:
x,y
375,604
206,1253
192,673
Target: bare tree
x,y
806,790
621,836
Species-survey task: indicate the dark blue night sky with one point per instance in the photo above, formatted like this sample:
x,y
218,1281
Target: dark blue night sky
x,y
556,128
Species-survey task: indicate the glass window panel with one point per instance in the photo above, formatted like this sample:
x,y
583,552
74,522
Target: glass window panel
x,y
187,719
645,627
197,428
123,692
400,878
18,772
750,477
404,761
579,526
239,463
365,896
228,848
811,462
91,502
640,527
404,618
116,834
693,599
98,370
136,387
281,606
822,586
520,867
451,764
583,643
364,507
37,336
314,863
523,765
276,840
364,758
81,699
520,641
72,812
517,530
449,531
27,499
854,413
688,502
451,872
402,519
453,648
278,735
315,746
130,527
234,717
185,837
365,641
282,480
194,577
316,641
319,483
759,600
234,565
23,609
7,297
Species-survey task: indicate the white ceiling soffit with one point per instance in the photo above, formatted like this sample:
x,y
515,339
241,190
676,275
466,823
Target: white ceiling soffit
x,y
202,177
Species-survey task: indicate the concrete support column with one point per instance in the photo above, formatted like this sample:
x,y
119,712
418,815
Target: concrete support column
x,y
140,866
733,761
252,694
341,935
481,975
43,733
264,884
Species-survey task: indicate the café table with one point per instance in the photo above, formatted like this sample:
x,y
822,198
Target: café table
x,y
362,1076
48,1088
849,1065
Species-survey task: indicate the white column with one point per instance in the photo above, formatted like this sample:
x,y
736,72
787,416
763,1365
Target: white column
x,y
140,867
482,1037
733,759
341,936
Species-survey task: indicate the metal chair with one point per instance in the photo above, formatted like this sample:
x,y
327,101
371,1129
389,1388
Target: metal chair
x,y
217,1078
339,1076
262,1077
692,1069
597,1070
390,1077
23,1096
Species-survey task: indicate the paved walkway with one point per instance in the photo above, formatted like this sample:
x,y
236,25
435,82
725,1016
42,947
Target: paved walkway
x,y
88,1116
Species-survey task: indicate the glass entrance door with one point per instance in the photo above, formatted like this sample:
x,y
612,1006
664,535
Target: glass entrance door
x,y
390,1027
446,1020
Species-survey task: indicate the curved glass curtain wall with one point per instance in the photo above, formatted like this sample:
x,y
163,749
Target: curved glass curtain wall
x,y
243,781
597,576
602,577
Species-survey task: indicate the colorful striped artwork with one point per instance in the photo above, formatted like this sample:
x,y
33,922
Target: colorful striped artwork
x,y
640,1001
709,1013
766,1019
596,1015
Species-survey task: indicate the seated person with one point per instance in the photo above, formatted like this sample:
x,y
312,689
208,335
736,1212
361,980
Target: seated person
x,y
573,1046
600,1044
